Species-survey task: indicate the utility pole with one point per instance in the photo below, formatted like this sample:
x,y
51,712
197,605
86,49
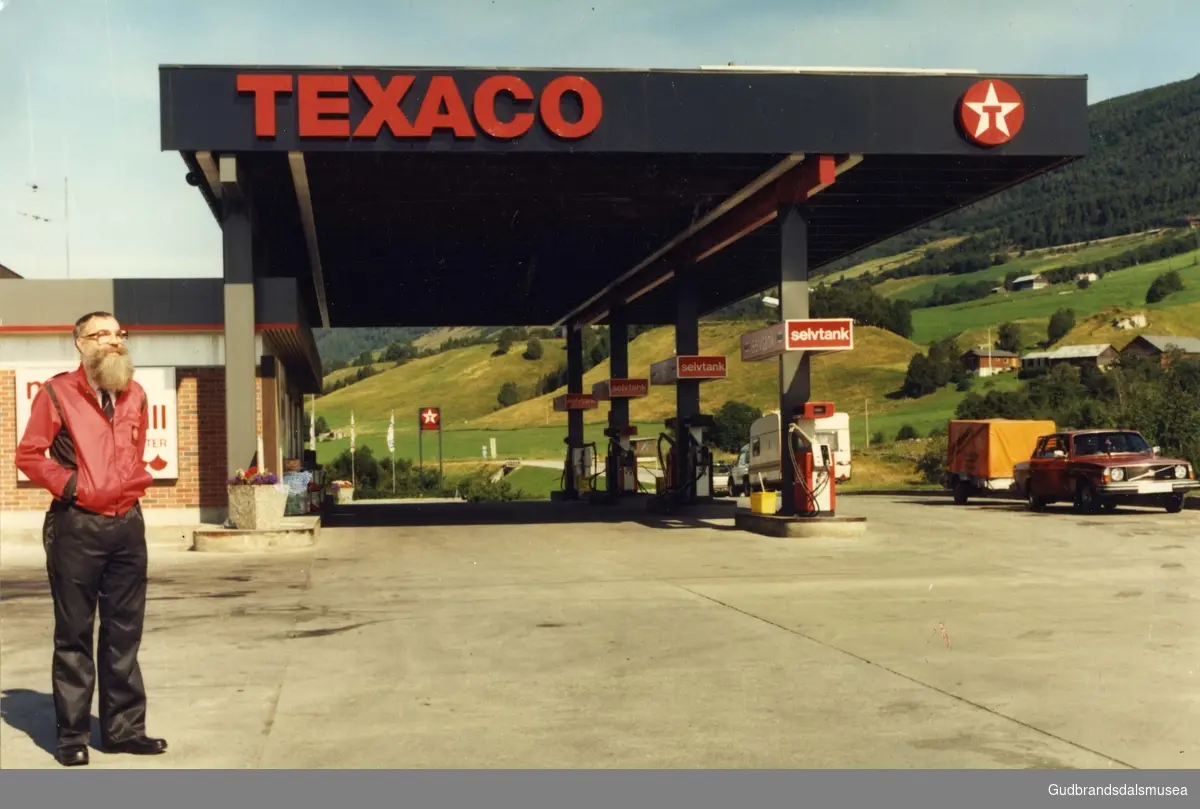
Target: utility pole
x,y
867,419
67,223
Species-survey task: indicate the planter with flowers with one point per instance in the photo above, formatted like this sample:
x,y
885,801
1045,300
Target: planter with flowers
x,y
257,501
343,491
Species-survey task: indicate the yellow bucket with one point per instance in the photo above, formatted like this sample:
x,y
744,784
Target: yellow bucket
x,y
762,502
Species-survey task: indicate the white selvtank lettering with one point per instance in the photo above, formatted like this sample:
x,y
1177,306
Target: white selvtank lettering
x,y
820,333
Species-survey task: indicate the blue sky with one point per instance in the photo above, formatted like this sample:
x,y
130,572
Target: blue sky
x,y
79,83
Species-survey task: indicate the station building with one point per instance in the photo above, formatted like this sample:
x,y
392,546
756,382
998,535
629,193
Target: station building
x,y
177,342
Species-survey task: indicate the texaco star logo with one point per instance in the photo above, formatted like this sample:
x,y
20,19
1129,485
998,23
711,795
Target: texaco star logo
x,y
429,416
991,112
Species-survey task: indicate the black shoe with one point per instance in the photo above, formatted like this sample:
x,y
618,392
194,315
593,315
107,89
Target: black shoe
x,y
140,746
72,755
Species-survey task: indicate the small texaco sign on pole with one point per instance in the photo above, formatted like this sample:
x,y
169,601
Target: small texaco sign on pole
x,y
428,418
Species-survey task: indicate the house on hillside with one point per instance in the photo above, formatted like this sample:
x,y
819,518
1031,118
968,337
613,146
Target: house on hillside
x,y
5,272
1100,356
1155,347
1026,282
1090,277
986,362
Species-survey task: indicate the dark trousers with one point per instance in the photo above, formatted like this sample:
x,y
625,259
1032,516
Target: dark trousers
x,y
93,560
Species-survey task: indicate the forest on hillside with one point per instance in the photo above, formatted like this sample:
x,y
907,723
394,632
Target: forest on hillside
x,y
342,345
1141,173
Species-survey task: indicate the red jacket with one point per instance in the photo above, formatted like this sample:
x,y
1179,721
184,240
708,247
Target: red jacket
x,y
95,463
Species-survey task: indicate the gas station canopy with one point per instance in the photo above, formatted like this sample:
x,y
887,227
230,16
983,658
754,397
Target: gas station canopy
x,y
470,196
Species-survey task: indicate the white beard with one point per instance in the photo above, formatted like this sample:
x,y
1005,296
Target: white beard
x,y
111,371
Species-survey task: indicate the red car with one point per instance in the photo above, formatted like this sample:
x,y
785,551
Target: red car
x,y
1100,469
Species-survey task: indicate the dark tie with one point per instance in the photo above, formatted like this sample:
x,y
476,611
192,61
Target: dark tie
x,y
106,403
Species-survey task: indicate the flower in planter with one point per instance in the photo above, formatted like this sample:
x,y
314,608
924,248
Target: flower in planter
x,y
252,477
342,484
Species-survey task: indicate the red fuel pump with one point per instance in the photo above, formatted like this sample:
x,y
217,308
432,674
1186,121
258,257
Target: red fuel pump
x,y
815,485
620,465
687,470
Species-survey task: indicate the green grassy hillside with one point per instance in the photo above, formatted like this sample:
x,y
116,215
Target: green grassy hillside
x,y
917,287
875,368
887,262
463,382
1124,288
435,338
1174,321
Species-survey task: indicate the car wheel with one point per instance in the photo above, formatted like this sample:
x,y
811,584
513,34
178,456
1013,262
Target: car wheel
x,y
1174,504
1035,503
1086,500
961,493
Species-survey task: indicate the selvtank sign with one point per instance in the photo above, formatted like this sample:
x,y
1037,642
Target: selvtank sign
x,y
353,106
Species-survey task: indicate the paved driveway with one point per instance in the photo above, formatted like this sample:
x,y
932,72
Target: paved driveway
x,y
978,636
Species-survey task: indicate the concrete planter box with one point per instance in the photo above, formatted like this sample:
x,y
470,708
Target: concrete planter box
x,y
345,495
257,508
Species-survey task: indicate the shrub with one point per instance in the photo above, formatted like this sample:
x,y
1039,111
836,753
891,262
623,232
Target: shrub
x,y
732,425
1163,286
479,487
932,464
1061,322
509,395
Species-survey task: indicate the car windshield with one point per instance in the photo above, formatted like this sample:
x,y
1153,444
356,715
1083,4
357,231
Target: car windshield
x,y
1114,442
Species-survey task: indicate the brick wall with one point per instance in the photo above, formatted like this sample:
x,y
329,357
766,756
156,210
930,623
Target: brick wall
x,y
201,414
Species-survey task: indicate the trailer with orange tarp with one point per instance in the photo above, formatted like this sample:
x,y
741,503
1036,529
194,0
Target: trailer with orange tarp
x,y
981,453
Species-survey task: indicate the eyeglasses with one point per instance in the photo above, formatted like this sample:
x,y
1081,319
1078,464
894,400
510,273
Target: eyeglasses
x,y
106,336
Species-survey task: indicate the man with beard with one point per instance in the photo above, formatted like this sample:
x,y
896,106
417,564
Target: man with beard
x,y
93,423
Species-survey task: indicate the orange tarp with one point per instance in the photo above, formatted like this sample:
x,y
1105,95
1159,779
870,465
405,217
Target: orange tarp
x,y
989,448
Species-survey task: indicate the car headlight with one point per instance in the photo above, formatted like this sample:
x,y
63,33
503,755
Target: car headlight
x,y
1181,471
1117,474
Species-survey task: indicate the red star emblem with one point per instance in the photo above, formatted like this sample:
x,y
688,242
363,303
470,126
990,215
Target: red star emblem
x,y
991,112
429,418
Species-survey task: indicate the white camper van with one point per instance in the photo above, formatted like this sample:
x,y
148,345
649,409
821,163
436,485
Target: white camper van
x,y
761,456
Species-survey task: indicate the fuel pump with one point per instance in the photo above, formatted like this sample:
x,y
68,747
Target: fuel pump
x,y
577,473
812,457
688,472
620,465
